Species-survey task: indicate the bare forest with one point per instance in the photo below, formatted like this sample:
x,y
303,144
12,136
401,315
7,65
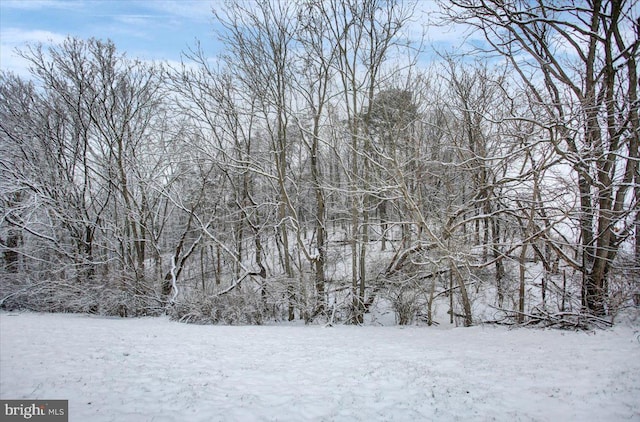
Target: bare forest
x,y
321,169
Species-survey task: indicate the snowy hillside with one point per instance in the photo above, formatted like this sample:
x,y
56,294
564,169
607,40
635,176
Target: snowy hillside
x,y
153,369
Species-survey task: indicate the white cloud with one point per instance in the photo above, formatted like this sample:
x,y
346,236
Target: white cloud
x,y
14,38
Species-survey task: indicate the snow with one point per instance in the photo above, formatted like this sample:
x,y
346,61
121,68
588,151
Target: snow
x,y
153,369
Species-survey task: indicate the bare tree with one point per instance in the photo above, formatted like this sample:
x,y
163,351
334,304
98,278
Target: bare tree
x,y
259,41
589,93
87,161
365,35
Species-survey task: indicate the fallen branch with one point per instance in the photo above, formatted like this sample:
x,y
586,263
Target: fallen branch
x,y
542,318
237,282
400,257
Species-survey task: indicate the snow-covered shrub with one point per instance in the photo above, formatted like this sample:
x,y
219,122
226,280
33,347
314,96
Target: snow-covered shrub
x,y
112,299
234,308
405,303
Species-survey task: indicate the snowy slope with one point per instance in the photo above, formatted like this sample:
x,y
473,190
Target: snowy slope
x,y
152,369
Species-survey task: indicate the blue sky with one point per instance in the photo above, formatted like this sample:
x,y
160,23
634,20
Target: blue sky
x,y
146,29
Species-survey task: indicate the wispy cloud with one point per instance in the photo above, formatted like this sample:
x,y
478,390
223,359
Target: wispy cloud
x,y
12,39
194,10
40,4
16,37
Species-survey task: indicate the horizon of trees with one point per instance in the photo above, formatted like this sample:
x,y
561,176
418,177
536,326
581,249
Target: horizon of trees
x,y
318,168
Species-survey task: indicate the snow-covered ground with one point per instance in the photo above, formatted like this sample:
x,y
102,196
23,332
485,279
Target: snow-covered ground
x,y
152,369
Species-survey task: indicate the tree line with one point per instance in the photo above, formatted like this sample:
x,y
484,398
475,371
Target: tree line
x,y
319,168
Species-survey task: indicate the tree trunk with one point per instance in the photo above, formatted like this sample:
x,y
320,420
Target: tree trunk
x,y
10,254
521,290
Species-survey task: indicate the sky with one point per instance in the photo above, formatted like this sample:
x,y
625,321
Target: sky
x,y
145,29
